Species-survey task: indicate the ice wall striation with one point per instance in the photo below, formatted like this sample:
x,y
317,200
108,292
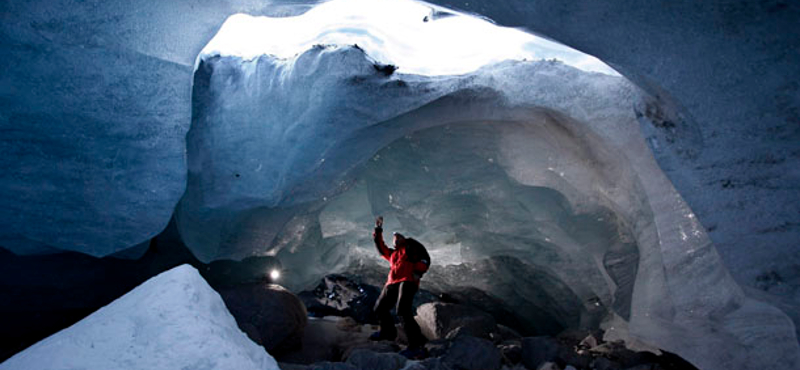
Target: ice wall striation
x,y
92,161
534,161
95,103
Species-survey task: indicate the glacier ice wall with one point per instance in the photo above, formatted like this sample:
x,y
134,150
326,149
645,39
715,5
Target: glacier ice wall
x,y
734,97
92,161
737,96
172,321
728,140
95,103
553,171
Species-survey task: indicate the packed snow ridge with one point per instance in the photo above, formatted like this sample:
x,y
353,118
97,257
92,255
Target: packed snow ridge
x,y
172,321
418,37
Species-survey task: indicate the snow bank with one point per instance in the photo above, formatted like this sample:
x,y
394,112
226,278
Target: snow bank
x,y
172,321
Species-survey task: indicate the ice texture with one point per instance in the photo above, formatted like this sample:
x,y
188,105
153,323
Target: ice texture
x,y
727,133
172,321
270,133
94,178
95,103
737,96
536,161
730,146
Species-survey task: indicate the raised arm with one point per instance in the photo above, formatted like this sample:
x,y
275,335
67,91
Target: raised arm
x,y
377,236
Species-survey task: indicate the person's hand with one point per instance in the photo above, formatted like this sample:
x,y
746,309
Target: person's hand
x,y
379,221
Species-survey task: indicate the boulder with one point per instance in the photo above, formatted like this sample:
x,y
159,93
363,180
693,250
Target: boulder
x,y
269,314
290,366
548,366
503,313
619,353
511,352
538,350
431,363
602,363
366,359
341,295
437,348
471,353
589,342
437,320
348,349
416,366
504,333
331,366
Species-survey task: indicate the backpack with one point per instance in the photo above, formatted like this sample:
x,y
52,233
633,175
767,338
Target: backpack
x,y
417,252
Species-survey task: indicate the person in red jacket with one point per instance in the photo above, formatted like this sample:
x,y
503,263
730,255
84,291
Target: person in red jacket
x,y
409,261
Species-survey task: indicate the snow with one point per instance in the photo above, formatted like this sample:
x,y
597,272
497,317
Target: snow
x,y
172,321
418,37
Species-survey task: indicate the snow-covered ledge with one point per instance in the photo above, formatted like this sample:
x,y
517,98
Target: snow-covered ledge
x,y
172,321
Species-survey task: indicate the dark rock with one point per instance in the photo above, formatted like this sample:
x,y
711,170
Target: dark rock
x,y
602,363
504,333
471,353
538,350
437,347
617,352
270,315
437,320
329,339
511,352
331,366
377,347
288,366
385,69
366,359
340,295
476,298
589,342
569,356
548,366
433,364
416,366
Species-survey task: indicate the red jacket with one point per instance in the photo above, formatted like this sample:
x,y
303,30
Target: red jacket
x,y
402,266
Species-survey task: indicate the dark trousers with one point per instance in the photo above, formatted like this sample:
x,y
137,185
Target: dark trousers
x,y
400,295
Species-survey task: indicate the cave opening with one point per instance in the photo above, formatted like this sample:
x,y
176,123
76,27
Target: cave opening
x,y
297,143
528,180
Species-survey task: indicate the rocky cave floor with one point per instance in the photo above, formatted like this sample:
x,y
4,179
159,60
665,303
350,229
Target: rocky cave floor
x,y
463,336
322,328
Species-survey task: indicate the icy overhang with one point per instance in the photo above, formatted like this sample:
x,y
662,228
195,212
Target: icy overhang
x,y
418,37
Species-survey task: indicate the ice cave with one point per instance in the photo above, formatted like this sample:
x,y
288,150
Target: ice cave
x,y
599,185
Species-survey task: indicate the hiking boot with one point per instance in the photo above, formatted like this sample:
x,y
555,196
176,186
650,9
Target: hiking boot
x,y
378,335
